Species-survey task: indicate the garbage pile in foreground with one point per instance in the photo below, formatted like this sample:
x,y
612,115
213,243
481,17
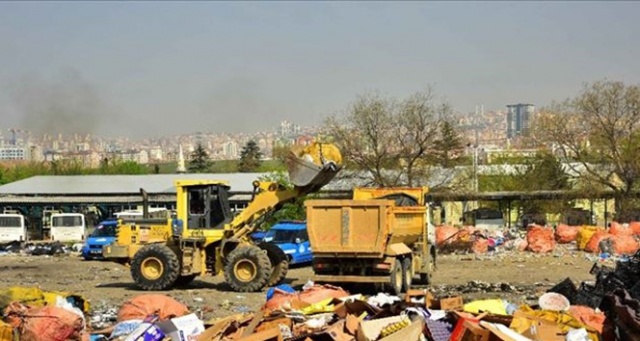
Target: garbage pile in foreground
x,y
605,309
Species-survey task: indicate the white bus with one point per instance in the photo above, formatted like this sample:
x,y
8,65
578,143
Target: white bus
x,y
67,227
12,228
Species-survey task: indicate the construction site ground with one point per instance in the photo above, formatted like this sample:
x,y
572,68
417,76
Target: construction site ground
x,y
108,284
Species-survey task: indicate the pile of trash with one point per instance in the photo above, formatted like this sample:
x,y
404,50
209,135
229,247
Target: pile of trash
x,y
618,239
325,312
38,249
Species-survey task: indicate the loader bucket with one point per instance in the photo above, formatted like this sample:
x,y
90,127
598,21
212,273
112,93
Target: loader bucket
x,y
313,167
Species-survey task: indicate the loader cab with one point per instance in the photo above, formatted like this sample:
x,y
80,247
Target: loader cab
x,y
207,205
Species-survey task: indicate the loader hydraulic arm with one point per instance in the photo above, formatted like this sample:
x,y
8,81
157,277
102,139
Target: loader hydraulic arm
x,y
268,198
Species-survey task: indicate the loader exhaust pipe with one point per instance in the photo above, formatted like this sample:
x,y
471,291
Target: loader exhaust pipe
x,y
145,204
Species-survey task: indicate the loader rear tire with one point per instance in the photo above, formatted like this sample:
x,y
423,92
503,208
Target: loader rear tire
x,y
396,277
247,269
183,281
155,267
279,263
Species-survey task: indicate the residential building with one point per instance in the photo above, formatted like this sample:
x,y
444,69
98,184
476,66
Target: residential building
x,y
518,116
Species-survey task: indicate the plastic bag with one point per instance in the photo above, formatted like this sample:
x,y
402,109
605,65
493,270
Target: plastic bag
x,y
540,239
593,245
588,316
620,229
139,307
51,324
566,234
625,245
445,235
585,234
480,245
635,227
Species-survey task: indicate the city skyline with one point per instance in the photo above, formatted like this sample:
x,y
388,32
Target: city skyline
x,y
152,69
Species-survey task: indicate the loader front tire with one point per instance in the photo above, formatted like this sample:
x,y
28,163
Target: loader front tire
x,y
279,263
247,269
155,267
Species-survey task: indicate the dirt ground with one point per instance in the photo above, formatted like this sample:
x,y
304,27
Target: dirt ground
x,y
108,284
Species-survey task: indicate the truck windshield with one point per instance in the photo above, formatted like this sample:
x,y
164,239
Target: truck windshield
x,y
104,231
281,236
10,222
66,221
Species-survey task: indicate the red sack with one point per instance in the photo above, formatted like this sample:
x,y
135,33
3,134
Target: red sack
x,y
51,324
566,234
139,307
635,227
625,245
444,235
620,230
318,293
540,239
588,317
593,245
480,245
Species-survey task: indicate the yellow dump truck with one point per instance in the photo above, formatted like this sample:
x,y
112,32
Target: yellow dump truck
x,y
381,236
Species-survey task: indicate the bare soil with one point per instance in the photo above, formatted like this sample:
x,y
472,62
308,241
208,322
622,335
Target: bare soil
x,y
105,283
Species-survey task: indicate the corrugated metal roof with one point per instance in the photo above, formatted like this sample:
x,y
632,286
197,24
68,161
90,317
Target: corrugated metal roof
x,y
100,199
119,184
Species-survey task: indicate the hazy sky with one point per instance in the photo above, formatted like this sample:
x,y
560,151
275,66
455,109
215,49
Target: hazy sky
x,y
161,68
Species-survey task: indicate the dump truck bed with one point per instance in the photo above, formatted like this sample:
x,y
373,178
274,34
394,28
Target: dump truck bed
x,y
361,228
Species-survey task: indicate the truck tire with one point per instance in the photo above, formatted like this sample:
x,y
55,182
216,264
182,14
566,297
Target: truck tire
x,y
155,267
396,278
279,263
407,274
183,281
425,279
248,269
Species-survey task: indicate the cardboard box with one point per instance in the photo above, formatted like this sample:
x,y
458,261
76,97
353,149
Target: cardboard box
x,y
184,328
452,303
267,335
370,330
429,300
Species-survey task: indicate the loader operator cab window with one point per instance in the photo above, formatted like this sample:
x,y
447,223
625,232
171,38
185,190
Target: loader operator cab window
x,y
208,207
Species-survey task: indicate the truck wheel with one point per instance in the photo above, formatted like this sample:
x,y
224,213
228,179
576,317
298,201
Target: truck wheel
x,y
279,263
396,278
248,269
407,274
425,279
184,280
155,267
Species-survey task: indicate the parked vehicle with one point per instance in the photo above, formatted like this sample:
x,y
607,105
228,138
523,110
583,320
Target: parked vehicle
x,y
12,228
68,227
379,237
292,238
103,234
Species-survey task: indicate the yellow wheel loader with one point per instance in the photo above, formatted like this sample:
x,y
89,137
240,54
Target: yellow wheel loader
x,y
204,237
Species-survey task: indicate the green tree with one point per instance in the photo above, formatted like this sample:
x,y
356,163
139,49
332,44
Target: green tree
x,y
199,162
598,131
448,145
250,158
290,210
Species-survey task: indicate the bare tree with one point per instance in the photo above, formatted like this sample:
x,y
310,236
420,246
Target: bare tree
x,y
391,141
597,132
365,136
